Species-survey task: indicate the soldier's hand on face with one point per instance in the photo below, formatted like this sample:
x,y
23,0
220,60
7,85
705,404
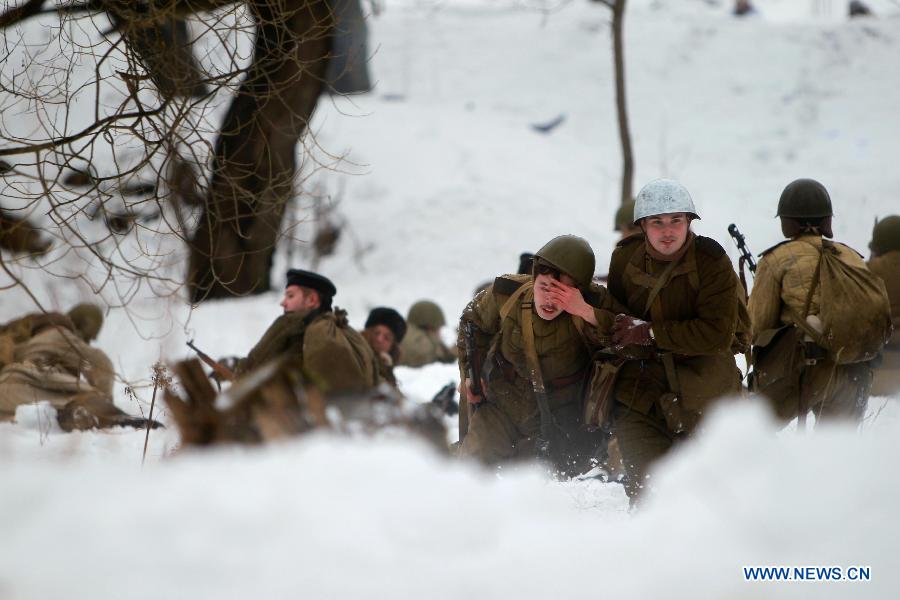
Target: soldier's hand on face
x,y
630,331
570,300
472,398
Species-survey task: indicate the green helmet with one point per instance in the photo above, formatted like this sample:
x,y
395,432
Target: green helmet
x,y
804,199
426,314
886,235
88,319
572,255
625,215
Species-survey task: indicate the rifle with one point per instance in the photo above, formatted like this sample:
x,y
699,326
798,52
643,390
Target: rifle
x,y
473,371
746,255
220,370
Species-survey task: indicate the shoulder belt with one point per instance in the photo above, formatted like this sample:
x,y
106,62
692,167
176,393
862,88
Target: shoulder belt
x,y
505,286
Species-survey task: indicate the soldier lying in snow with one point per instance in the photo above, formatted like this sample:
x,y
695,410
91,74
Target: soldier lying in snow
x,y
47,357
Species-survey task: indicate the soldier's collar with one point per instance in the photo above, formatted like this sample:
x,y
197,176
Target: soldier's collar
x,y
652,252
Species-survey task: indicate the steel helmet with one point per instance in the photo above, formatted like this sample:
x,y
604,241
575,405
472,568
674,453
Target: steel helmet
x,y
426,314
804,199
663,197
886,235
572,255
88,319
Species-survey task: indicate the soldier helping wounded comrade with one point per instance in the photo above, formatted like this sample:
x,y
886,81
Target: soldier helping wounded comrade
x,y
532,338
674,343
820,316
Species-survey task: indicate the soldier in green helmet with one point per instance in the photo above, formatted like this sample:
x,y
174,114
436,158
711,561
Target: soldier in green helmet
x,y
49,357
533,339
792,368
885,262
422,344
624,222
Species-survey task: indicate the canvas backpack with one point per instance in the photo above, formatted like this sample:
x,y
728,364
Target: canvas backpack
x,y
854,309
338,356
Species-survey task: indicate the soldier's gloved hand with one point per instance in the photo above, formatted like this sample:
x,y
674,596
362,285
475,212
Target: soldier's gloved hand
x,y
629,331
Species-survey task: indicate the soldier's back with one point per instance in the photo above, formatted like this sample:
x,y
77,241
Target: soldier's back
x,y
887,375
420,348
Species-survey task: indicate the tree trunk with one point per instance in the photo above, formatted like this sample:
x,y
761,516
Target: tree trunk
x,y
621,102
255,162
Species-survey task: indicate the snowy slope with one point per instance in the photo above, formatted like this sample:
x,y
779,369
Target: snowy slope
x,y
445,183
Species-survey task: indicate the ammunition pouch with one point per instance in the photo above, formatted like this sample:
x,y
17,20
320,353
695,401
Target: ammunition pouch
x,y
598,397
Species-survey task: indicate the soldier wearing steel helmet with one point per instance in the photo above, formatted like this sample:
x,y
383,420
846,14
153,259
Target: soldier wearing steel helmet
x,y
422,344
50,358
677,334
784,293
885,262
534,338
624,221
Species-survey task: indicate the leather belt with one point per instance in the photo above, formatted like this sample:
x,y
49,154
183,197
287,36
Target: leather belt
x,y
510,374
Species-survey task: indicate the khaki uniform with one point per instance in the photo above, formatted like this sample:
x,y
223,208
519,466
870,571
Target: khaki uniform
x,y
386,369
661,393
54,365
887,375
783,279
508,423
421,347
330,352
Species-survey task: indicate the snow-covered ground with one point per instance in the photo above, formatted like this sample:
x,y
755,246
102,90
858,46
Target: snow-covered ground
x,y
445,183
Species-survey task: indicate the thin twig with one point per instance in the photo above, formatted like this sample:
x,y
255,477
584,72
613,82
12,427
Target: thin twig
x,y
150,416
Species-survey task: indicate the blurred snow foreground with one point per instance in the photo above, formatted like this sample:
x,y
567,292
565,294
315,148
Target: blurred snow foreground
x,y
324,517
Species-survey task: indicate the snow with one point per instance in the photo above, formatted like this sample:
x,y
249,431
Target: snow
x,y
444,183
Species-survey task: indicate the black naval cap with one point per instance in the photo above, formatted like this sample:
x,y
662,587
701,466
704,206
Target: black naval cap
x,y
390,318
311,280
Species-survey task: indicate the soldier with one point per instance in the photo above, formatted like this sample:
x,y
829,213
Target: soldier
x,y
532,344
52,360
384,330
885,263
624,223
793,374
681,294
318,338
422,344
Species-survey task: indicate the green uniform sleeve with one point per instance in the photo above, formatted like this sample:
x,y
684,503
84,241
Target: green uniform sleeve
x,y
712,330
284,335
606,307
484,312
